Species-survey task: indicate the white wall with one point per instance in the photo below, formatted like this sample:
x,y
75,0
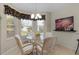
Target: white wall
x,y
48,22
67,39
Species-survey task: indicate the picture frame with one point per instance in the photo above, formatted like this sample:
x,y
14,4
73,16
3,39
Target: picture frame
x,y
65,24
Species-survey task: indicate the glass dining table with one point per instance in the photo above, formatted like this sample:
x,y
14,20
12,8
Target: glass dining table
x,y
33,37
37,41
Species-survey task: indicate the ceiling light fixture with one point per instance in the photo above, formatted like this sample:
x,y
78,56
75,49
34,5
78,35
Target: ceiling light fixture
x,y
36,16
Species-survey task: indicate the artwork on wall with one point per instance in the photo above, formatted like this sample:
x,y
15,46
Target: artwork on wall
x,y
65,24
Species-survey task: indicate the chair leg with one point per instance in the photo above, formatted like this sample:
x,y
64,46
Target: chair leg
x,y
77,48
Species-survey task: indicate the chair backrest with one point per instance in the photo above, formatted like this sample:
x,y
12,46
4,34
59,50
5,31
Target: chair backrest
x,y
18,40
49,44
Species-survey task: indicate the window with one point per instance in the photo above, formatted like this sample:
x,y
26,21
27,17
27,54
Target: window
x,y
26,27
40,25
29,26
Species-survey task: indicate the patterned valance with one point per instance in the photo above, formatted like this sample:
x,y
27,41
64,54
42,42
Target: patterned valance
x,y
10,11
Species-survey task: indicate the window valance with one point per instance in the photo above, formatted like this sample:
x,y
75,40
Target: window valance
x,y
10,11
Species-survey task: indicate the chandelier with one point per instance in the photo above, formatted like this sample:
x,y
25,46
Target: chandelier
x,y
36,16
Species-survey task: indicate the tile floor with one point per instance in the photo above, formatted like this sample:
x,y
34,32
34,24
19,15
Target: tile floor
x,y
61,50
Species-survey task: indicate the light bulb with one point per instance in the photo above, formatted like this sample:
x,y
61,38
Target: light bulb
x,y
32,16
38,15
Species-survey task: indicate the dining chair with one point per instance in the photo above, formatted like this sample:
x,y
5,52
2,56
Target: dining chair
x,y
37,46
49,45
46,48
24,48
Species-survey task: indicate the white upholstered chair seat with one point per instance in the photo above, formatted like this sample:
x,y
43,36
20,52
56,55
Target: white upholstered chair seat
x,y
29,47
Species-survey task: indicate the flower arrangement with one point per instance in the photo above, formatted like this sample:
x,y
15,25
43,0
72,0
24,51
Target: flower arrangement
x,y
37,33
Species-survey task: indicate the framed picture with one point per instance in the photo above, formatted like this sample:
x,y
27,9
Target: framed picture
x,y
65,24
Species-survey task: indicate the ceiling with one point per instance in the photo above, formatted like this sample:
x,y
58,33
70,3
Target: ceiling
x,y
42,7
